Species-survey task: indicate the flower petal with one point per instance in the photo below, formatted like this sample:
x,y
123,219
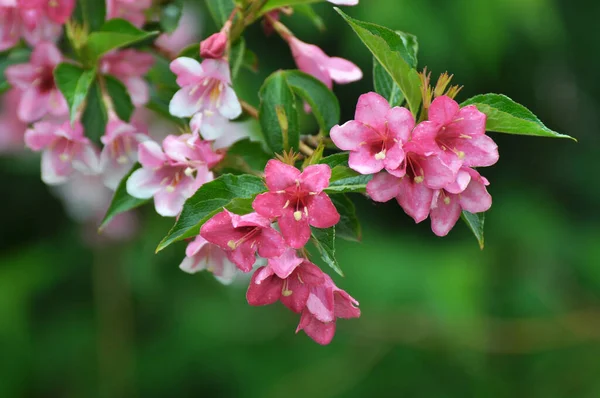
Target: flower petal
x,y
270,243
269,204
188,71
321,333
383,187
343,71
143,184
415,199
266,292
445,214
315,178
169,204
321,212
295,232
350,135
400,123
230,106
371,110
280,176
443,110
183,103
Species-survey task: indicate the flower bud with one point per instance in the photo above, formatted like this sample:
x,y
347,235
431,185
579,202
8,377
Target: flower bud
x,y
214,46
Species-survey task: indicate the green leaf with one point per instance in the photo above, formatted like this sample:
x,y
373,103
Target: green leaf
x,y
120,97
122,201
191,51
170,15
346,180
220,10
308,11
94,116
16,56
349,227
274,4
385,86
506,116
250,61
236,56
92,13
278,115
251,152
115,33
392,53
475,223
324,240
74,83
324,104
337,159
234,193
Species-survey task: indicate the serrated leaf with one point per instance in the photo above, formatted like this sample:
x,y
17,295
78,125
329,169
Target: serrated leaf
x,y
345,180
324,241
236,56
119,95
95,115
324,104
122,201
391,52
220,10
506,116
349,227
74,83
275,4
234,193
115,33
475,223
337,159
278,115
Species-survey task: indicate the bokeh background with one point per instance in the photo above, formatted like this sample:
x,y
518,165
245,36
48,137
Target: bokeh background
x,y
82,316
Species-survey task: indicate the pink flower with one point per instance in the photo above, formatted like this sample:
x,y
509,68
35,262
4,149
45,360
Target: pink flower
x,y
186,33
65,149
266,287
312,60
220,130
120,150
376,137
205,88
325,304
35,79
202,255
131,10
297,200
130,66
457,134
242,236
59,11
12,128
10,27
214,46
173,173
468,193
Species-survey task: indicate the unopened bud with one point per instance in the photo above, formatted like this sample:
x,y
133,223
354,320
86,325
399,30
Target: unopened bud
x,y
214,46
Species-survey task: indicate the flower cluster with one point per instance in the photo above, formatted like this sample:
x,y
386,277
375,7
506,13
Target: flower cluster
x,y
427,168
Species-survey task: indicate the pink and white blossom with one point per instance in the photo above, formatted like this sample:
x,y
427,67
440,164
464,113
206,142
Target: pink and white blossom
x,y
242,237
326,303
173,173
220,130
202,255
64,149
12,129
120,150
297,200
36,80
457,133
376,137
186,33
58,11
312,60
205,88
130,66
133,11
266,287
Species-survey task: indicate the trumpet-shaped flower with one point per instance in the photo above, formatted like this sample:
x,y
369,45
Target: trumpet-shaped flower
x,y
58,11
202,255
130,66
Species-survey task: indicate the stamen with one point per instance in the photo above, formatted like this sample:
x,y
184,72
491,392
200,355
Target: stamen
x,y
380,155
189,171
287,203
298,215
170,189
122,159
419,179
232,245
64,157
447,200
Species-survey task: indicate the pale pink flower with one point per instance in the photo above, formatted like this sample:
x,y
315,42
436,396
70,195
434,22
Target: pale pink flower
x,y
58,11
186,33
326,303
133,11
468,193
457,133
218,129
36,80
173,173
266,287
64,150
120,150
130,66
202,255
312,60
12,129
205,88
297,200
242,237
376,137
10,27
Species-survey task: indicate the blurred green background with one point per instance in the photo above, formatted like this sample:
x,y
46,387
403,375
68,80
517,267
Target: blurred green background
x,y
440,318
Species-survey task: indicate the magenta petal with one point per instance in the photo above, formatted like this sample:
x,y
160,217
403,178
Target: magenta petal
x,y
480,151
364,162
371,110
351,135
40,136
423,138
400,123
383,187
244,256
295,232
266,292
269,204
270,243
463,178
394,157
33,105
443,110
415,199
285,264
444,214
436,173
321,333
321,211
279,175
343,71
315,178
469,121
321,304
345,305
220,231
150,155
295,294
476,198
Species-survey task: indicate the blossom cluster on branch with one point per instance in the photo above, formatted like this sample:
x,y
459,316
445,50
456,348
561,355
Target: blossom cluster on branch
x,y
246,202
